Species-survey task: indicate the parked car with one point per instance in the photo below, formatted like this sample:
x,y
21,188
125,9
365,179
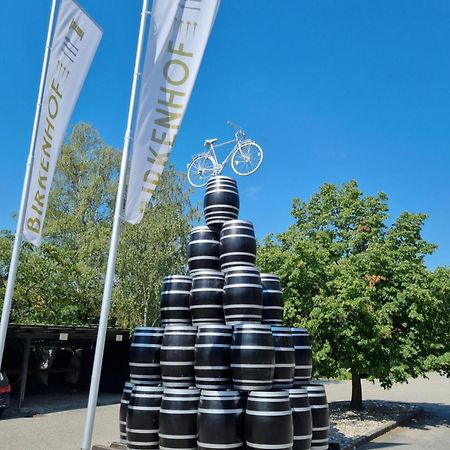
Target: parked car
x,y
5,392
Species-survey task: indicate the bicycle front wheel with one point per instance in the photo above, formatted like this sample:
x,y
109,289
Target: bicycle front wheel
x,y
200,170
247,158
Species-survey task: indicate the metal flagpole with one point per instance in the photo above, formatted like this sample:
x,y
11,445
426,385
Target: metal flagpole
x,y
106,301
26,187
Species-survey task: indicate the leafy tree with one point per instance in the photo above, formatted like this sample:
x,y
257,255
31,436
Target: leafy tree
x,y
62,281
360,286
149,251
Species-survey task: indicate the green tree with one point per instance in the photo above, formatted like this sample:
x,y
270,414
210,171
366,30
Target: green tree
x,y
62,281
149,251
360,286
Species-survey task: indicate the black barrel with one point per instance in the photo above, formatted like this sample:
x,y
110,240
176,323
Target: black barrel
x,y
177,356
212,357
268,421
272,299
221,201
204,250
237,244
283,376
206,300
302,418
143,417
221,420
123,411
178,419
320,415
242,301
144,356
175,300
252,357
303,356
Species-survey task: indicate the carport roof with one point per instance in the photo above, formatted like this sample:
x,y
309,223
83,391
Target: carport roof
x,y
64,332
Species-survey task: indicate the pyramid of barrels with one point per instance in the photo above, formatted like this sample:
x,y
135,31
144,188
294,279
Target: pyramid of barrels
x,y
221,371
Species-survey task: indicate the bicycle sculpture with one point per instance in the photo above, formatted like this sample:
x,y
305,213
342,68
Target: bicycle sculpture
x,y
246,157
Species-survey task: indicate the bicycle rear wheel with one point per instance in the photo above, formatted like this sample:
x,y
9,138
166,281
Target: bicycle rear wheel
x,y
247,158
200,170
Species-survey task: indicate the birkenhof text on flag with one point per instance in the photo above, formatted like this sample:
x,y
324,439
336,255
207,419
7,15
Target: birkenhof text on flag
x,y
74,44
178,35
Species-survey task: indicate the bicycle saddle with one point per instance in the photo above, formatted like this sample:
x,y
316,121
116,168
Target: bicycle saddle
x,y
209,142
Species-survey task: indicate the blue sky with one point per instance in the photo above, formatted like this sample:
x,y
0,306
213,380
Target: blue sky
x,y
332,90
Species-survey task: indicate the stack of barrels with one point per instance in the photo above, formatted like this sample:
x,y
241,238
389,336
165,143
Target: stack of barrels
x,y
222,372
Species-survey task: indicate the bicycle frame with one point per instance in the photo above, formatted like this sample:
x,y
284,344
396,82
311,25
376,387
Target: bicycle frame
x,y
239,137
246,157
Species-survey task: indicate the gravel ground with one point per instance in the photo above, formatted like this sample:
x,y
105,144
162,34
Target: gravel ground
x,y
347,425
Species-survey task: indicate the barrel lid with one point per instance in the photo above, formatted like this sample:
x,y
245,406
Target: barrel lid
x,y
231,393
207,272
299,330
281,329
211,326
242,269
269,275
237,222
179,327
269,394
154,389
177,277
182,391
148,329
201,228
313,387
216,178
255,326
295,391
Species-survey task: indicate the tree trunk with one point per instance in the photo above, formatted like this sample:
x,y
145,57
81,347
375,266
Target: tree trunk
x,y
145,313
356,403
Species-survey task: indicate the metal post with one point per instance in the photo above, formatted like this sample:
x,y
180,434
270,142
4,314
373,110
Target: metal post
x,y
24,371
106,301
25,190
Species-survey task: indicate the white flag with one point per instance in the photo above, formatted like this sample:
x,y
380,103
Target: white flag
x,y
74,44
179,31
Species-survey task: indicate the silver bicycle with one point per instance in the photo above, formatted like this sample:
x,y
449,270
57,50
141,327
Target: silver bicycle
x,y
246,157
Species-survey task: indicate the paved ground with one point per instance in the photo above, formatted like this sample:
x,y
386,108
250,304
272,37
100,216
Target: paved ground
x,y
63,430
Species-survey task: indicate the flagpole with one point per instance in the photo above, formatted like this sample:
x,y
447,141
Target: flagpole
x,y
106,301
25,190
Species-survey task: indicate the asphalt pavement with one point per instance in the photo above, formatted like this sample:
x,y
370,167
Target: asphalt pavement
x,y
63,430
